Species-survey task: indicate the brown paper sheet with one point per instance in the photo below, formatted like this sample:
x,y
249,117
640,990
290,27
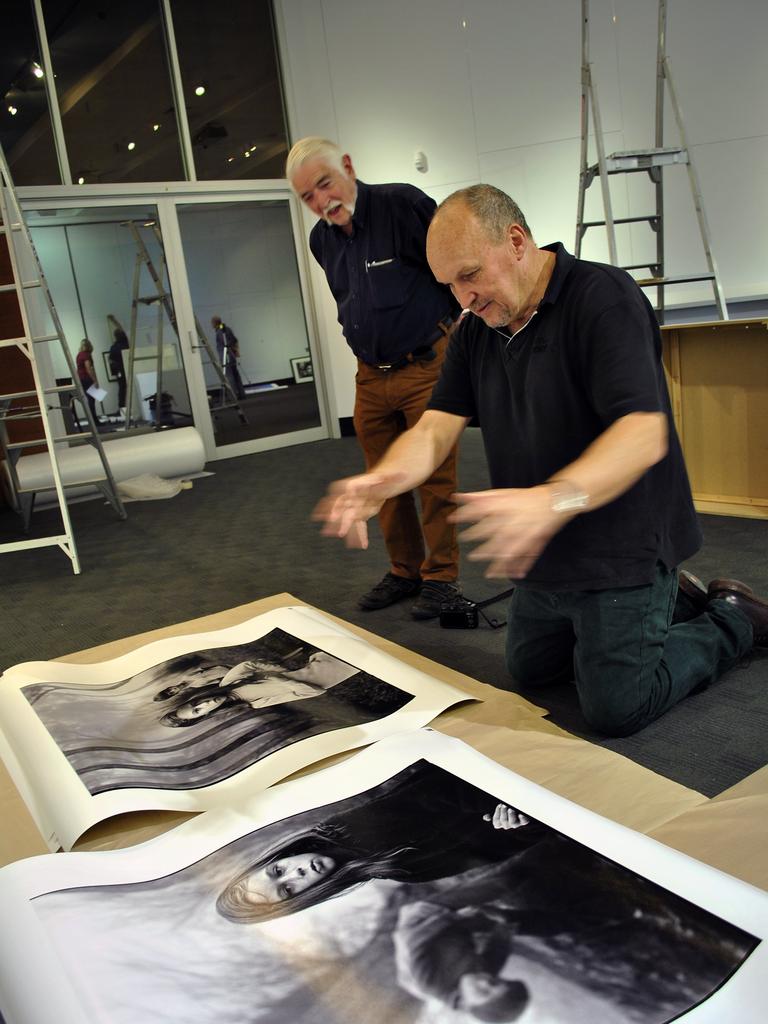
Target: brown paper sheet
x,y
729,832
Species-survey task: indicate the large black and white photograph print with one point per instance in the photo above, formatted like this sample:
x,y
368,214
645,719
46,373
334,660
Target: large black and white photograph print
x,y
199,718
422,899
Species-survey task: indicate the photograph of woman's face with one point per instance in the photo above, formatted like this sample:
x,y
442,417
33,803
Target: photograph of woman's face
x,y
286,877
200,707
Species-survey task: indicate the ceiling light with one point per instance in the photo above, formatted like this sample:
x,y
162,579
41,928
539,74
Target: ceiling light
x,y
200,90
155,127
13,110
37,71
131,145
230,159
247,152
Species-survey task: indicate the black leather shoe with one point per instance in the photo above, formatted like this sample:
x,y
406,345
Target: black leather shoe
x,y
742,597
387,591
736,585
691,599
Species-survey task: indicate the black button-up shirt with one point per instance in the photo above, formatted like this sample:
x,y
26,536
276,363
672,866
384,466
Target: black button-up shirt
x,y
388,301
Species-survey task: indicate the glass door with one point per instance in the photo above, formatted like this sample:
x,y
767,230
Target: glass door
x,y
241,316
106,271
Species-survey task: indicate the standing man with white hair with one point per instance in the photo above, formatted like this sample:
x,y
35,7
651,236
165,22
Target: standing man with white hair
x,y
371,242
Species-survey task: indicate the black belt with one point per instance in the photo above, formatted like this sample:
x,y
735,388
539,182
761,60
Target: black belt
x,y
422,354
419,355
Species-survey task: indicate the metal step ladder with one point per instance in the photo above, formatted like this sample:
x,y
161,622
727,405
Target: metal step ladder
x,y
652,161
161,297
37,402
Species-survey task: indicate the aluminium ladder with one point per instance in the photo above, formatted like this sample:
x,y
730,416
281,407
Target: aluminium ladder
x,y
162,297
652,161
36,403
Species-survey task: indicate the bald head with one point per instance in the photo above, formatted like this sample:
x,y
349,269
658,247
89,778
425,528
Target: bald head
x,y
480,245
493,209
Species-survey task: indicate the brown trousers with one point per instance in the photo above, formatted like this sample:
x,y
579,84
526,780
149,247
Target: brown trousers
x,y
386,405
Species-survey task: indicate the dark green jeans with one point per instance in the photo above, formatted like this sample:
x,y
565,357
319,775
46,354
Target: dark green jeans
x,y
630,664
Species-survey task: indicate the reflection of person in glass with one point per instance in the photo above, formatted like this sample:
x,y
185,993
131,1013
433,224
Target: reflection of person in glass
x,y
116,364
228,349
87,373
412,833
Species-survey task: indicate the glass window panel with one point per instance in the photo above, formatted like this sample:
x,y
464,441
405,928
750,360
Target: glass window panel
x,y
25,122
96,263
241,266
114,90
237,123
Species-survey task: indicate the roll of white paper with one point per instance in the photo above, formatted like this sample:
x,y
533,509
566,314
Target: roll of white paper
x,y
166,453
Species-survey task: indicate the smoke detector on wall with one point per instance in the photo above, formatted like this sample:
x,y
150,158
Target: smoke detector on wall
x,y
420,161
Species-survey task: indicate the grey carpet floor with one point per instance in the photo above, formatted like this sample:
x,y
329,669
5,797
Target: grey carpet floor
x,y
246,533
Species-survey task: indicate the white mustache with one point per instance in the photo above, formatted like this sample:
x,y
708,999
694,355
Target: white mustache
x,y
349,207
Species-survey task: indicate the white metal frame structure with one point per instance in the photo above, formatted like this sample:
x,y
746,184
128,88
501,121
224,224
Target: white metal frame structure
x,y
188,325
166,197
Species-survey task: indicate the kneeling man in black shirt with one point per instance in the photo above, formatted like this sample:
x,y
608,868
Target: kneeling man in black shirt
x,y
591,513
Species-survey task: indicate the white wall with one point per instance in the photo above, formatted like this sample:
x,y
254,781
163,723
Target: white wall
x,y
490,91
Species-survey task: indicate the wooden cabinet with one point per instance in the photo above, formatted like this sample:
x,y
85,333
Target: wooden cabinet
x,y
718,375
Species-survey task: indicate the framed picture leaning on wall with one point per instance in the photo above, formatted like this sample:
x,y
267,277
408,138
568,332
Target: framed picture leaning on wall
x,y
111,375
301,367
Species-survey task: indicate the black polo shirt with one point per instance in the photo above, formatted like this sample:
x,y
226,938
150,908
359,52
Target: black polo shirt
x,y
590,355
388,301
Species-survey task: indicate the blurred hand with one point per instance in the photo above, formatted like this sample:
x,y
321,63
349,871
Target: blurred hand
x,y
514,526
350,503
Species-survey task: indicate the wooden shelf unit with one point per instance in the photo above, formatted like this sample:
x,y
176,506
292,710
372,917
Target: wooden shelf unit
x,y
718,376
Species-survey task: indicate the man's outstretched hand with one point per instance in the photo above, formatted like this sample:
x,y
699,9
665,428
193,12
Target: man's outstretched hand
x,y
514,525
350,503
